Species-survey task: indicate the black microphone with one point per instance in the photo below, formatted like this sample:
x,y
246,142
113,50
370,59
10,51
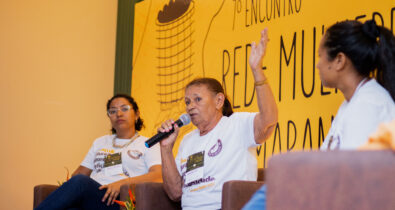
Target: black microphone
x,y
184,120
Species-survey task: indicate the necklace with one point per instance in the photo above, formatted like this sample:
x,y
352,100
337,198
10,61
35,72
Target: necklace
x,y
136,135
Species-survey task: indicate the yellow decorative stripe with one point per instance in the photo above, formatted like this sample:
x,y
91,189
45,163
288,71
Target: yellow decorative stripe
x,y
202,187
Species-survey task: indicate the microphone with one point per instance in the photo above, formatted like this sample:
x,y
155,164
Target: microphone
x,y
184,120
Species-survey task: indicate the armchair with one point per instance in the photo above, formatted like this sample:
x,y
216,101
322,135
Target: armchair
x,y
152,195
234,195
41,192
340,180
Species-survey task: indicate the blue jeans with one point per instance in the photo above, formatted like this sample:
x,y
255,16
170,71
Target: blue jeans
x,y
258,200
80,192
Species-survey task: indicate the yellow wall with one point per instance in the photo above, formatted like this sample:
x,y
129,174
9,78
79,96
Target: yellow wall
x,y
212,38
56,74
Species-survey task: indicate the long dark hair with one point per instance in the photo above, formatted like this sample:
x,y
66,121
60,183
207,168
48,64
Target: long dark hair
x,y
214,86
368,46
139,124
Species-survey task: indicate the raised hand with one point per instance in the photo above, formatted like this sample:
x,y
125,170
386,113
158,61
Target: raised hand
x,y
258,52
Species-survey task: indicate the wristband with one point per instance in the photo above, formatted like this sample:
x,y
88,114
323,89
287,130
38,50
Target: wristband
x,y
263,82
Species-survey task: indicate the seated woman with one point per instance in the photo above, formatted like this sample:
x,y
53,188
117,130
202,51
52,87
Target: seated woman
x,y
359,60
222,148
112,161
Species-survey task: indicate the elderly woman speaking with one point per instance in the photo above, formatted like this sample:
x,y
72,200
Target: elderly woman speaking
x,y
222,148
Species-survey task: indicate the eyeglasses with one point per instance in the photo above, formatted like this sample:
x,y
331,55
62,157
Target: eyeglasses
x,y
113,111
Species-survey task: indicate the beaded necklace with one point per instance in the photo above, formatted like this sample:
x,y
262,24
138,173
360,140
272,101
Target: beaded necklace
x,y
136,135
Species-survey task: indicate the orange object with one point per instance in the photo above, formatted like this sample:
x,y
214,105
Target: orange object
x,y
121,203
132,197
383,138
68,174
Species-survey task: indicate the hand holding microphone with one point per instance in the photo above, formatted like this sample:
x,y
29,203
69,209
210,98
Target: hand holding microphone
x,y
184,120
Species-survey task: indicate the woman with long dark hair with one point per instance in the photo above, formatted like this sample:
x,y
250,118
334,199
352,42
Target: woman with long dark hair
x,y
359,60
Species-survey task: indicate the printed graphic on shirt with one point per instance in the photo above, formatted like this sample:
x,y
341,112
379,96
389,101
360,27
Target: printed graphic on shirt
x,y
203,187
113,164
99,159
112,160
334,142
134,154
216,149
199,181
195,161
183,163
125,172
104,155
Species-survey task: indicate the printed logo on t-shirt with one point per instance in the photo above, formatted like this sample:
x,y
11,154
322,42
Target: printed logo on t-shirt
x,y
134,154
195,161
113,164
199,181
99,160
183,164
216,149
125,172
112,160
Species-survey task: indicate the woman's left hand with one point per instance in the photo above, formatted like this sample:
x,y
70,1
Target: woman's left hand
x,y
112,192
258,52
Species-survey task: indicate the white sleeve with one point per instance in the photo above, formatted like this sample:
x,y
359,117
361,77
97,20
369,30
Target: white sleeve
x,y
361,122
88,161
245,121
152,156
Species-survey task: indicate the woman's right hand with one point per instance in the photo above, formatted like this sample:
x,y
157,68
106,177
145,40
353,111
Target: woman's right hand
x,y
166,127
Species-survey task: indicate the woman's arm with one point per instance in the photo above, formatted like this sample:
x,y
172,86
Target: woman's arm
x,y
266,119
82,170
172,180
113,189
154,175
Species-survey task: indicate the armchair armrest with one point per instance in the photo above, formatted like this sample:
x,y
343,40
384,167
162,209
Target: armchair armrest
x,y
150,195
41,192
261,174
235,194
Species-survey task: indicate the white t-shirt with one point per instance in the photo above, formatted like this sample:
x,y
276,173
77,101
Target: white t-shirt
x,y
136,158
229,154
356,119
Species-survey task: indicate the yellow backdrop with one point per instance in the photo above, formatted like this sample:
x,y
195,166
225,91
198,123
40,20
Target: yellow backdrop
x,y
176,41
